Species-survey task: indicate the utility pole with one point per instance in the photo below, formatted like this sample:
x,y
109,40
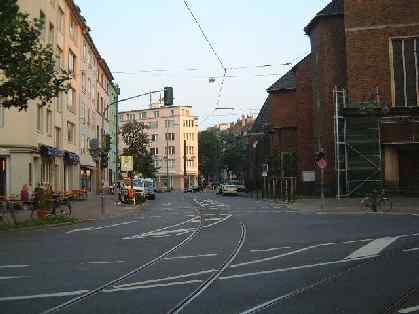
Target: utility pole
x,y
184,164
167,155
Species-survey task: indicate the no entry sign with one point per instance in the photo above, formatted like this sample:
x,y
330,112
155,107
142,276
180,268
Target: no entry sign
x,y
322,163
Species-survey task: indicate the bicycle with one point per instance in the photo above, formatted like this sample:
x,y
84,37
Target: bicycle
x,y
60,206
377,200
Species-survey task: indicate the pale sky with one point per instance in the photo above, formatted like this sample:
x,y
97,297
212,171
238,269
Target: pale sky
x,y
157,43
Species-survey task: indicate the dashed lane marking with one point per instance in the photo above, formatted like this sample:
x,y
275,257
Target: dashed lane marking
x,y
411,250
409,310
106,262
270,249
14,266
43,295
12,277
102,227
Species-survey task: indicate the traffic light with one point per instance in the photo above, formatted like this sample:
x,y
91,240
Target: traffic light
x,y
319,156
104,160
168,96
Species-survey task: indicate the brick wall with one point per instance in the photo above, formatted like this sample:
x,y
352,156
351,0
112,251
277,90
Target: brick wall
x,y
304,107
369,26
329,70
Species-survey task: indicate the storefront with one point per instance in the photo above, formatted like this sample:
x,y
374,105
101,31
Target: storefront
x,y
86,177
71,171
51,159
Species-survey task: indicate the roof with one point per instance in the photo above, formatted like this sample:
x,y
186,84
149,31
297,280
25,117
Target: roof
x,y
286,82
263,116
334,8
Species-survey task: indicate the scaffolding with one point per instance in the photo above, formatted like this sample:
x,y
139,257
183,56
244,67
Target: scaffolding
x,y
358,155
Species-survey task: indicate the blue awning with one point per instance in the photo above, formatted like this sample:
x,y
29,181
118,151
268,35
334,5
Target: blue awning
x,y
49,151
71,157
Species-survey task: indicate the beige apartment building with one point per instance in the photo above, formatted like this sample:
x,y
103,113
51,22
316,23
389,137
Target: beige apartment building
x,y
173,134
42,145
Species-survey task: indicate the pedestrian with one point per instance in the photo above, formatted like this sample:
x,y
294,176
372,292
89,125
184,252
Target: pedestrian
x,y
24,196
117,192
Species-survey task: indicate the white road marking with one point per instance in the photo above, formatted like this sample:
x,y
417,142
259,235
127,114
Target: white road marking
x,y
190,256
411,250
106,262
372,248
141,236
356,241
160,234
271,249
12,277
159,285
279,256
278,270
43,295
212,219
101,227
14,266
218,222
409,310
155,216
142,283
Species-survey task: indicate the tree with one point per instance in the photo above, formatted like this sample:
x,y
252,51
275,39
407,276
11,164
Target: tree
x,y
235,153
137,141
209,147
27,66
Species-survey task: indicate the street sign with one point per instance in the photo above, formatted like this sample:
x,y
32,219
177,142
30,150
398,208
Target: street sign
x,y
127,163
322,163
264,174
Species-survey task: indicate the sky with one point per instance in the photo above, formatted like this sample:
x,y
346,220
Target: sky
x,y
156,43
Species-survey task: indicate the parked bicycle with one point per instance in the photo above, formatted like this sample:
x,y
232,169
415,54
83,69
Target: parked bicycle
x,y
60,206
376,200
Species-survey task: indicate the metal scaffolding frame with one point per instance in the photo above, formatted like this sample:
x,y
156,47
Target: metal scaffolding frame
x,y
358,154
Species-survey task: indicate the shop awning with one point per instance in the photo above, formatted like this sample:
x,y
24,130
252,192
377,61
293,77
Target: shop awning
x,y
71,157
49,151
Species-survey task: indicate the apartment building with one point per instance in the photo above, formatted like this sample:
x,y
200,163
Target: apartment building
x,y
51,141
173,133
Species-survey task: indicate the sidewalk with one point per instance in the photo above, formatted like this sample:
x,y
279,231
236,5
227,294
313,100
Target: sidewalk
x,y
401,205
89,209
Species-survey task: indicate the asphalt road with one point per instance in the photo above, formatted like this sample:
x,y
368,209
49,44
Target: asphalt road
x,y
204,253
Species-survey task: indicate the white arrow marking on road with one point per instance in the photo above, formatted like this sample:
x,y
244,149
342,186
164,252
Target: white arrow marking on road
x,y
372,248
409,309
44,295
14,266
101,227
190,256
271,249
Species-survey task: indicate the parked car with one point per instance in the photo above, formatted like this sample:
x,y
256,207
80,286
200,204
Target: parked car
x,y
229,189
192,189
149,189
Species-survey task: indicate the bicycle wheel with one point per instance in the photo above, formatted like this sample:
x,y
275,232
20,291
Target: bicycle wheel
x,y
386,204
366,204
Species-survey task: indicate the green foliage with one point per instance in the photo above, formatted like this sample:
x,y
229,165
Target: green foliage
x,y
27,67
235,154
54,220
137,141
209,147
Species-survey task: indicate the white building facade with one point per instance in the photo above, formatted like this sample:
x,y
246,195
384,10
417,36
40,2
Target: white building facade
x,y
173,134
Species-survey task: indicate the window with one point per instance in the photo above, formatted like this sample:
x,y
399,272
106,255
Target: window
x,y
43,30
39,118
154,151
170,136
71,103
60,58
153,125
156,163
58,137
171,163
169,123
156,114
89,87
45,172
49,122
406,72
51,34
121,118
60,20
72,63
60,101
83,82
143,115
30,174
154,137
97,103
172,112
85,51
2,116
72,28
70,132
170,150
88,116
